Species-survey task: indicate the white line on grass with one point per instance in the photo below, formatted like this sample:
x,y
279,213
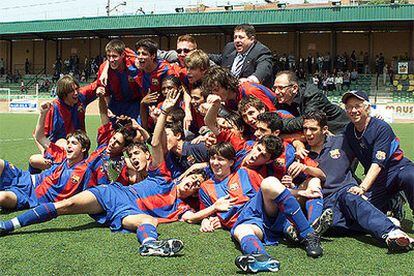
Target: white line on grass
x,y
15,140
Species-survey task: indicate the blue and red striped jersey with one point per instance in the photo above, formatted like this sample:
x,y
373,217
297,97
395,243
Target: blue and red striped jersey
x,y
63,119
259,91
125,95
100,160
243,185
62,181
182,74
277,168
157,195
149,81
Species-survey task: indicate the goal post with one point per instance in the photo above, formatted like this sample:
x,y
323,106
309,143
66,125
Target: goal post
x,y
19,101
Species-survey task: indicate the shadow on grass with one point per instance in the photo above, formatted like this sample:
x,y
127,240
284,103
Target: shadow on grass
x,y
90,225
370,240
7,211
407,226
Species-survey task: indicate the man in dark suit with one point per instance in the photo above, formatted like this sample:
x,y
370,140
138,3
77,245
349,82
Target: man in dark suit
x,y
248,59
299,100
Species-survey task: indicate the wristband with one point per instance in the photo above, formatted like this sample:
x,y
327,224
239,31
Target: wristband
x,y
163,111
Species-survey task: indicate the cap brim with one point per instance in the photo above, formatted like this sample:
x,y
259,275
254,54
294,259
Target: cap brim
x,y
348,95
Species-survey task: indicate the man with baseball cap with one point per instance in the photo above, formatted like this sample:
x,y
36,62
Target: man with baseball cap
x,y
373,142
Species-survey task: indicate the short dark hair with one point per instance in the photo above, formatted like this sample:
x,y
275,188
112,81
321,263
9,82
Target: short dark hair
x,y
177,115
148,44
222,77
249,101
318,116
65,86
247,28
177,128
128,133
291,76
83,139
224,149
140,145
232,117
272,119
273,145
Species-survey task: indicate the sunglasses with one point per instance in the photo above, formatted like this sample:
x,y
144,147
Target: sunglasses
x,y
281,87
185,50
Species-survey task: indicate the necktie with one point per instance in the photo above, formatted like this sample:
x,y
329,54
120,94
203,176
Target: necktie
x,y
237,65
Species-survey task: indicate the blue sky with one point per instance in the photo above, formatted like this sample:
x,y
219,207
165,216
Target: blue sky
x,y
23,10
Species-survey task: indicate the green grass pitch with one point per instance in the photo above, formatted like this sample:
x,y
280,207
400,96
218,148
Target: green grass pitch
x,y
75,245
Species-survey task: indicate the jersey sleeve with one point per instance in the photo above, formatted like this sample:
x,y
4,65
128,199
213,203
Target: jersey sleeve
x,y
89,91
98,76
310,162
55,152
123,176
290,154
169,70
205,200
385,140
48,126
255,179
161,171
235,140
130,57
264,94
104,133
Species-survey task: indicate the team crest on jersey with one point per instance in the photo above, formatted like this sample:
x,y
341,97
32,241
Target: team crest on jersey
x,y
380,155
335,154
234,187
155,82
279,162
75,179
130,79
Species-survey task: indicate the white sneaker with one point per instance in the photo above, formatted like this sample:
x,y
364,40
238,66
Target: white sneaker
x,y
398,241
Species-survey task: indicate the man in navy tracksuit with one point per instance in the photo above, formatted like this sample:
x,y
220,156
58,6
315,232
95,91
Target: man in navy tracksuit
x,y
351,211
377,148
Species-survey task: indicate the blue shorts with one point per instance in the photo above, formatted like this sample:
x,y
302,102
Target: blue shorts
x,y
118,202
20,183
254,213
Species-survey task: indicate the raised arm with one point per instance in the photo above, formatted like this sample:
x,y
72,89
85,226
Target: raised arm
x,y
103,74
211,117
103,106
150,99
158,149
142,134
39,132
187,103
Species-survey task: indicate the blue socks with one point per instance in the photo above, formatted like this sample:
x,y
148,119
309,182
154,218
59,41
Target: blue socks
x,y
288,204
39,214
314,208
251,244
146,233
